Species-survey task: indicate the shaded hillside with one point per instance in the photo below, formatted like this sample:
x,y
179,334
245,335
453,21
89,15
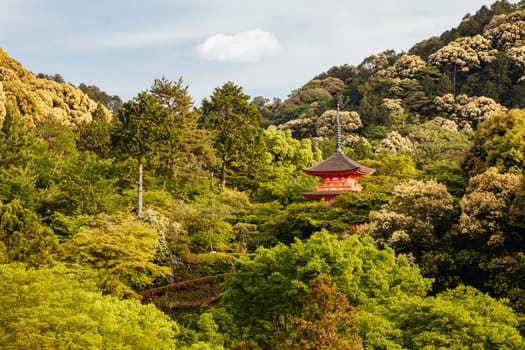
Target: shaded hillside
x,y
22,93
465,74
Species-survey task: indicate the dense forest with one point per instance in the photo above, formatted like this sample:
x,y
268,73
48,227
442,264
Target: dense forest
x,y
158,224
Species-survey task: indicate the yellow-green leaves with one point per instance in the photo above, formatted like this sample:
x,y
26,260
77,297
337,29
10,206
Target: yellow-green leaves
x,y
35,98
122,250
58,308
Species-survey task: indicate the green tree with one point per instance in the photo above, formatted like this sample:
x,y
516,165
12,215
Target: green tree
x,y
417,221
461,318
327,321
144,128
59,308
301,220
24,161
463,55
265,294
23,238
448,173
59,135
467,111
286,179
237,136
438,140
173,95
490,230
121,249
84,186
498,142
357,205
95,135
113,103
211,218
194,156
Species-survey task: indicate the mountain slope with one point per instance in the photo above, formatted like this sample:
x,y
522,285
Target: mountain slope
x,y
23,94
464,75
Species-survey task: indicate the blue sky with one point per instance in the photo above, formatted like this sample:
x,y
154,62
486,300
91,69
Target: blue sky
x,y
268,47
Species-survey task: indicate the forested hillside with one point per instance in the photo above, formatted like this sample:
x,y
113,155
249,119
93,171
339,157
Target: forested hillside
x,y
157,224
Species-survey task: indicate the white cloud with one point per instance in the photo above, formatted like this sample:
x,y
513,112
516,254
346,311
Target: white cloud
x,y
248,46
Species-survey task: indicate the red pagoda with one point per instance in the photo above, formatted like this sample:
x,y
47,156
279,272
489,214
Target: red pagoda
x,y
339,173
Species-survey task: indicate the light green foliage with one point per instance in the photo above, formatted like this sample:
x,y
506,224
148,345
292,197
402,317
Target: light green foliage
x,y
23,238
498,142
237,136
60,309
121,249
438,140
287,151
75,183
462,318
208,227
201,332
23,161
303,295
83,186
265,293
288,156
392,167
209,221
300,220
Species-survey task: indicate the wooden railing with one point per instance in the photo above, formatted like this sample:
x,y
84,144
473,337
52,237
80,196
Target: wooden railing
x,y
189,293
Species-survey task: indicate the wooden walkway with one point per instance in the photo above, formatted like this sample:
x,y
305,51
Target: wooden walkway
x,y
185,294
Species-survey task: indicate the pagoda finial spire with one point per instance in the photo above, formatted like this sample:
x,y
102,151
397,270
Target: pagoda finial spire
x,y
338,133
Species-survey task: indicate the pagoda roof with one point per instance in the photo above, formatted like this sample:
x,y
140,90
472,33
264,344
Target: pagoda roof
x,y
338,163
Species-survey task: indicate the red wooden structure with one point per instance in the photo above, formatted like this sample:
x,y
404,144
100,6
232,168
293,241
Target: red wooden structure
x,y
338,172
